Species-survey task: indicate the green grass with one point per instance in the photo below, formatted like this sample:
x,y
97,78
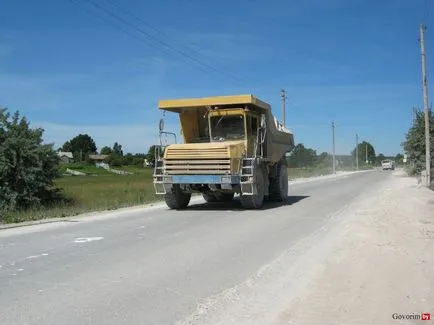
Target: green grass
x,y
294,173
106,191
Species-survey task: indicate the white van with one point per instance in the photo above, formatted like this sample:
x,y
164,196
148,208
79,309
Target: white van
x,y
388,164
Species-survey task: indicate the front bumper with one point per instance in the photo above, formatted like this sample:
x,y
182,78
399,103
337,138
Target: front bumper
x,y
163,184
201,179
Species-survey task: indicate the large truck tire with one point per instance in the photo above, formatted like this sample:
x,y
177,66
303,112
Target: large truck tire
x,y
177,199
255,201
278,188
218,197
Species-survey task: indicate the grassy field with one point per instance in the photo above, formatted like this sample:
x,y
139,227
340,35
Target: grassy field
x,y
102,190
294,173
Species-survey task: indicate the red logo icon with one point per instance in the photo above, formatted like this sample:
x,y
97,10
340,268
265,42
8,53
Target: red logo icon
x,y
426,316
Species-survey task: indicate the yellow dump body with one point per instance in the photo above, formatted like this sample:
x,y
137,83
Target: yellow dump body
x,y
194,123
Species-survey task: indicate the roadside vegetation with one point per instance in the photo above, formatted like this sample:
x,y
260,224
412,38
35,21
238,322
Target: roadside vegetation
x,y
414,144
39,182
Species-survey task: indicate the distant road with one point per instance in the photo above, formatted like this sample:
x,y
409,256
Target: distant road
x,y
157,266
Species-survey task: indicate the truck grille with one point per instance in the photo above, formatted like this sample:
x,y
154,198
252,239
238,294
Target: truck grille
x,y
194,161
193,153
197,166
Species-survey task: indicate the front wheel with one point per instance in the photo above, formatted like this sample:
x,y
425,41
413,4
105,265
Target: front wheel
x,y
176,199
255,201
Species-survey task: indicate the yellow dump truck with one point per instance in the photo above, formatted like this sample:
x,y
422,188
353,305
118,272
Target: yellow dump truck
x,y
232,144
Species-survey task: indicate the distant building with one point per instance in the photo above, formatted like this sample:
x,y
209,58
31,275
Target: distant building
x,y
65,157
99,159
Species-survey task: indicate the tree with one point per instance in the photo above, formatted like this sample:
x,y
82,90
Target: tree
x,y
301,157
399,158
324,160
365,152
80,146
414,145
117,149
151,155
106,151
67,147
27,166
380,158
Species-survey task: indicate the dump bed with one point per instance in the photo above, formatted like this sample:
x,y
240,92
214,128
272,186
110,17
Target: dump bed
x,y
279,139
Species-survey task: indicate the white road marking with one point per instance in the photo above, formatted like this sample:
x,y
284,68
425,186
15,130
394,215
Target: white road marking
x,y
36,256
30,257
86,240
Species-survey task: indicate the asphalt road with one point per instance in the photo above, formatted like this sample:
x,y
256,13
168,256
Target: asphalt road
x,y
155,266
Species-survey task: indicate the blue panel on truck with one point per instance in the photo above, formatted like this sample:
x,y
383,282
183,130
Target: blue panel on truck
x,y
205,179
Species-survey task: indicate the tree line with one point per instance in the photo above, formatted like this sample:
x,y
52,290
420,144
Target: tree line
x,y
83,145
301,157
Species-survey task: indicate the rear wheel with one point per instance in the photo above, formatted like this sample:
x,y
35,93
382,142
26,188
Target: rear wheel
x,y
176,199
255,201
278,188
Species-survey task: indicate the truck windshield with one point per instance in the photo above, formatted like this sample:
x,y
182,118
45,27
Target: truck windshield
x,y
228,127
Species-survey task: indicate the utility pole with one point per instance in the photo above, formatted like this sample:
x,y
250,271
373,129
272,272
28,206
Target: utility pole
x,y
283,95
357,151
425,106
334,157
366,152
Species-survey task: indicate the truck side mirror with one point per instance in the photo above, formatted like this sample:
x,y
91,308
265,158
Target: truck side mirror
x,y
263,122
161,125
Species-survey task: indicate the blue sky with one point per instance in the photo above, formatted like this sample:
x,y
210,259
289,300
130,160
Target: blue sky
x,y
355,62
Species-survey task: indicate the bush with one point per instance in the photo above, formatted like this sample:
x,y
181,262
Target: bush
x,y
27,166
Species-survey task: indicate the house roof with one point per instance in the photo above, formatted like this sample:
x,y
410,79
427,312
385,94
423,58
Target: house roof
x,y
98,157
65,154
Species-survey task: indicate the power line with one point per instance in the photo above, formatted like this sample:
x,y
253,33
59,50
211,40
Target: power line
x,y
141,31
159,31
124,30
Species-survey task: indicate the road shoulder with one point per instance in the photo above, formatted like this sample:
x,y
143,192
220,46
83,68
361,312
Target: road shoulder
x,y
372,260
383,267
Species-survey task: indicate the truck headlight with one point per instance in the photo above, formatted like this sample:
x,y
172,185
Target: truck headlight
x,y
167,179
